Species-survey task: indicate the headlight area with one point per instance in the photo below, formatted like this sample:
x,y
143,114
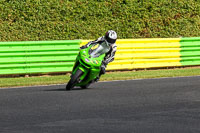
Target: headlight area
x,y
84,64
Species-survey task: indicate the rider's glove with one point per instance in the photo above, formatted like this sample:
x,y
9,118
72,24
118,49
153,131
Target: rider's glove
x,y
83,47
104,63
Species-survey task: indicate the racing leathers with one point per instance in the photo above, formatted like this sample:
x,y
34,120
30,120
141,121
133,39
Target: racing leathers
x,y
110,51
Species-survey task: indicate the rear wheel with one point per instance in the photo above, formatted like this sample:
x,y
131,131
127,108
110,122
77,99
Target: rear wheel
x,y
86,86
74,79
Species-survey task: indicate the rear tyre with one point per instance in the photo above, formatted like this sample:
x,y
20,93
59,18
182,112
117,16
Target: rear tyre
x,y
86,86
74,79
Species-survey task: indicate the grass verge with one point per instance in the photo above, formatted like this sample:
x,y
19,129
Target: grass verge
x,y
109,76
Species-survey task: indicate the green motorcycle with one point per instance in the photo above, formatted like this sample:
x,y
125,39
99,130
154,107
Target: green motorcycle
x,y
87,66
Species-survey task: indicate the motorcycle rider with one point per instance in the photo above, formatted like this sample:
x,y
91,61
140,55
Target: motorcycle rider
x,y
110,47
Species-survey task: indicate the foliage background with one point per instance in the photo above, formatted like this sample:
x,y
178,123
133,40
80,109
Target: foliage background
x,y
88,19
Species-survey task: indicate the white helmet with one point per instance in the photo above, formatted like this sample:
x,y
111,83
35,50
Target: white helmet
x,y
111,36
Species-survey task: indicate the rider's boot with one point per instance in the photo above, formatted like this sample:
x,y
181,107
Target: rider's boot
x,y
97,79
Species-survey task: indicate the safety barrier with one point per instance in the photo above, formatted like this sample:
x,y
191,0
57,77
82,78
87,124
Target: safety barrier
x,y
190,51
58,56
146,53
154,53
37,56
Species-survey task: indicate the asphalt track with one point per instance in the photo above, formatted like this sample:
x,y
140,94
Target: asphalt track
x,y
167,105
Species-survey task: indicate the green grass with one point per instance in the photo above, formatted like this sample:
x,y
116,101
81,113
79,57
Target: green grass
x,y
109,76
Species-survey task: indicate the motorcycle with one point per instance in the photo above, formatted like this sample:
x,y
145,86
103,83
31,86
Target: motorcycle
x,y
87,67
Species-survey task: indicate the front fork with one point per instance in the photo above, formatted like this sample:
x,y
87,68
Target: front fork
x,y
80,67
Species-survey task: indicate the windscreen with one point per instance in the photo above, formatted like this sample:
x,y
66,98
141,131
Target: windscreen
x,y
99,49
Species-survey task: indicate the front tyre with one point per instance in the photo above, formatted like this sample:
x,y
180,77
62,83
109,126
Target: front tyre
x,y
74,79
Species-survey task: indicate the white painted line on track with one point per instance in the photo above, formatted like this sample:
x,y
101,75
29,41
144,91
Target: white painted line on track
x,y
101,82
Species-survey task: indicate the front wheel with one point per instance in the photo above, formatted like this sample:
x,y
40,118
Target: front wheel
x,y
74,79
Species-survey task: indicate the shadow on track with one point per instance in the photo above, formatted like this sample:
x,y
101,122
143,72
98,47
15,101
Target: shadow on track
x,y
63,89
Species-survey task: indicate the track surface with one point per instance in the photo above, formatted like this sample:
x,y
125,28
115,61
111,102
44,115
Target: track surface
x,y
168,105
